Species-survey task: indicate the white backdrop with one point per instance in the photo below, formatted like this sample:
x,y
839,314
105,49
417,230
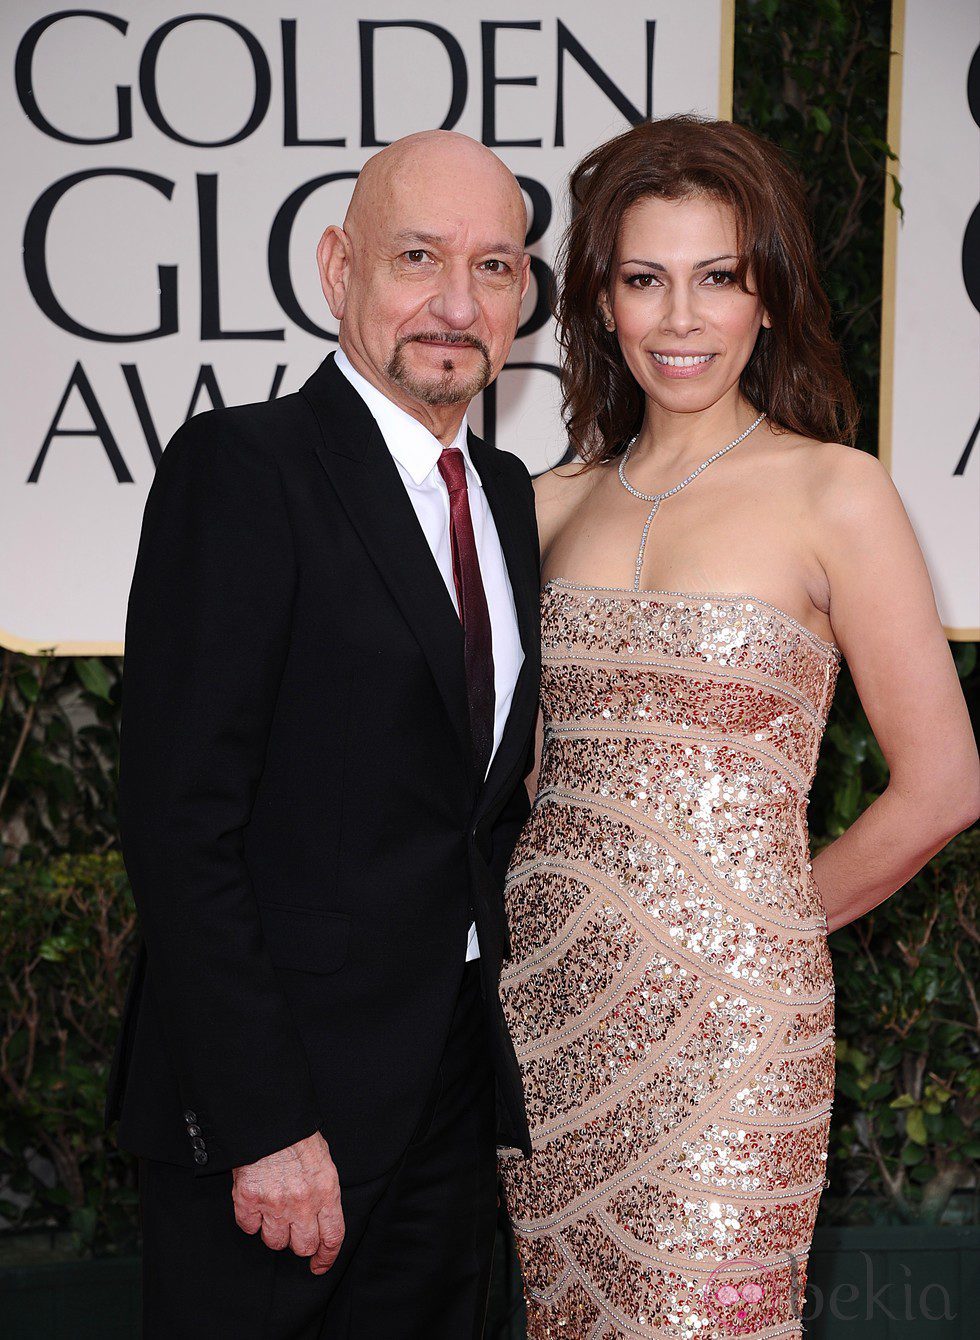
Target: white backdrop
x,y
167,179
931,348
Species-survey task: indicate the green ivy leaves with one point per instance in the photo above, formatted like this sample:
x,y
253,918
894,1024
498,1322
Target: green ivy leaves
x,y
94,676
59,746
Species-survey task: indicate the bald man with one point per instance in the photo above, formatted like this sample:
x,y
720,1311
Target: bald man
x,y
330,690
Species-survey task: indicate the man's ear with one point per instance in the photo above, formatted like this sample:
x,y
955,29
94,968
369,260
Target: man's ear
x,y
333,258
525,275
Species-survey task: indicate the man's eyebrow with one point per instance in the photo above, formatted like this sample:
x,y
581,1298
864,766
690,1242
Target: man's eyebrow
x,y
508,248
410,235
436,240
699,265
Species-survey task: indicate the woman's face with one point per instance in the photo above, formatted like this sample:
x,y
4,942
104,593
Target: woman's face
x,y
685,327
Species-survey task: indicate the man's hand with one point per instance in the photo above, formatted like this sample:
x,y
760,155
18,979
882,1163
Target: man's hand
x,y
293,1199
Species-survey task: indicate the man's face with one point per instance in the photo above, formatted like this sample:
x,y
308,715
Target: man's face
x,y
435,278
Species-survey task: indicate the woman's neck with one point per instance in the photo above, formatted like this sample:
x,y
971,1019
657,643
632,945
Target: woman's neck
x,y
674,444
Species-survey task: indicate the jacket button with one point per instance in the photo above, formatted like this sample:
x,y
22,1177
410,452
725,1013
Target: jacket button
x,y
190,1117
200,1157
193,1130
198,1142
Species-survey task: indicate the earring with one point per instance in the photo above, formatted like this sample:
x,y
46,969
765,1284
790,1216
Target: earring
x,y
609,325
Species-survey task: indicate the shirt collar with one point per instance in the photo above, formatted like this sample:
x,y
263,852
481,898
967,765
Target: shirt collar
x,y
414,448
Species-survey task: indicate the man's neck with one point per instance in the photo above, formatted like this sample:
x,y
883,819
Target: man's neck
x,y
442,421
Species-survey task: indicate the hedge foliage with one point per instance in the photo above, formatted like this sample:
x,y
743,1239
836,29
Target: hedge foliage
x,y
814,78
905,1134
68,929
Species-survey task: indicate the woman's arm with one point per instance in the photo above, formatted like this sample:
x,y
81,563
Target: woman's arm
x,y
555,494
531,780
884,618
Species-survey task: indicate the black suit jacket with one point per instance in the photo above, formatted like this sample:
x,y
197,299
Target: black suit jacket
x,y
305,833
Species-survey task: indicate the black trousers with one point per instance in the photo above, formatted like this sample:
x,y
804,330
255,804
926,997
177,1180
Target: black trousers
x,y
415,1264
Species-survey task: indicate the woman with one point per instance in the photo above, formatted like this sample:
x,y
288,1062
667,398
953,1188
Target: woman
x,y
670,992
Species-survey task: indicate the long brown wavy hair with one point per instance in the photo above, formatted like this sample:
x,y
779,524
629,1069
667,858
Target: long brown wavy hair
x,y
794,375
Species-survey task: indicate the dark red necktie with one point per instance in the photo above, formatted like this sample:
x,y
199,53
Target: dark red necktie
x,y
473,611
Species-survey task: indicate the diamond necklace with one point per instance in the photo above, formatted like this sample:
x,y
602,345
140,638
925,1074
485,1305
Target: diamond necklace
x,y
658,498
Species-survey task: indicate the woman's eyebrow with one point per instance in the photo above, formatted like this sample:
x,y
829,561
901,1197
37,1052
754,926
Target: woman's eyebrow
x,y
699,265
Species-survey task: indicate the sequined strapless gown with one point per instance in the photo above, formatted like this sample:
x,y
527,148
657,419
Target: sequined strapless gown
x,y
670,993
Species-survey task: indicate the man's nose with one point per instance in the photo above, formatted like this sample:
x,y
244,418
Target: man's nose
x,y
454,301
681,316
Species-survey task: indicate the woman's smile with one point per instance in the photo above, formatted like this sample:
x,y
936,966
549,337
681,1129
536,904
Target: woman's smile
x,y
677,364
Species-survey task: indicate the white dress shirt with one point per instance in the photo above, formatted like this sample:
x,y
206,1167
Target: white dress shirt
x,y
416,452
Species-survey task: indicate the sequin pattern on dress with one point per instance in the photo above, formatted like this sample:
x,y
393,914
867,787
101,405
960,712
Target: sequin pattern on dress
x,y
670,993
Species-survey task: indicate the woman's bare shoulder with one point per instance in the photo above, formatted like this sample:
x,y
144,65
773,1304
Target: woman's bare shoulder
x,y
557,493
836,481
847,485
563,486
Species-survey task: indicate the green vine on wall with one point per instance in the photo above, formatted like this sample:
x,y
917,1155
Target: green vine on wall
x,y
814,79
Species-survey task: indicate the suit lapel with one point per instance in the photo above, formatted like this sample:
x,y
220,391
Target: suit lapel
x,y
359,465
507,511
